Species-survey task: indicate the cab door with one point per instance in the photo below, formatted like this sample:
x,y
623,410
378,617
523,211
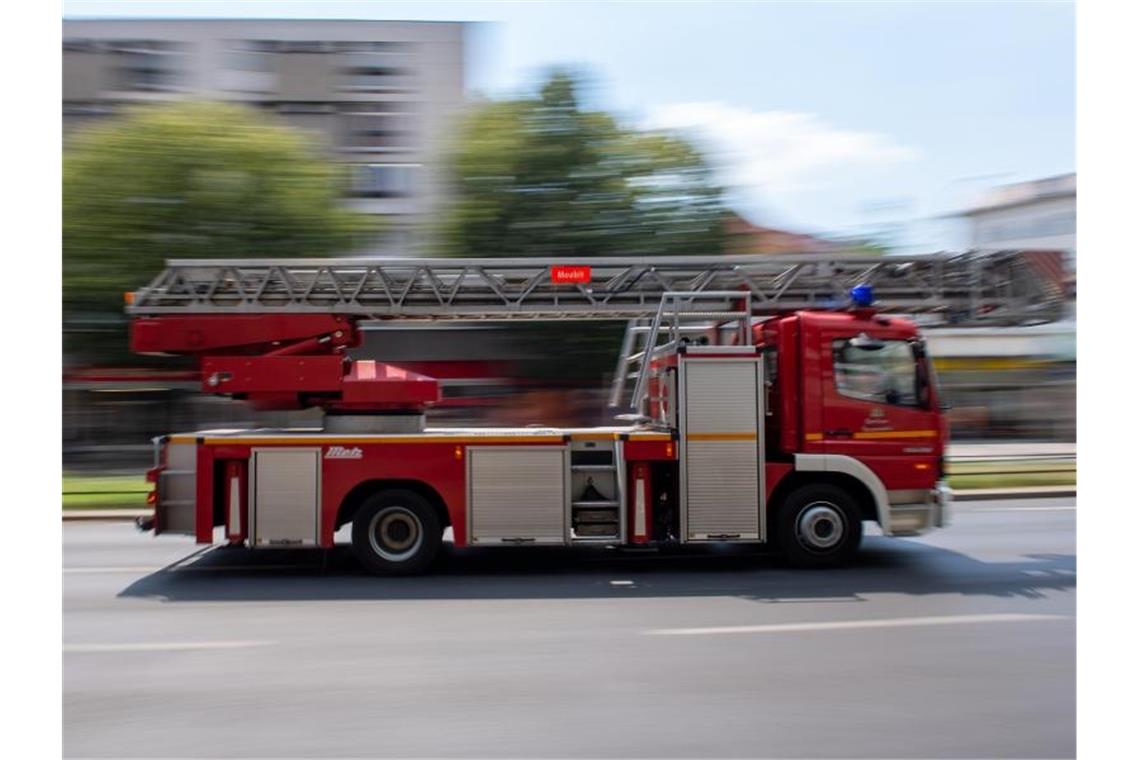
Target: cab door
x,y
878,406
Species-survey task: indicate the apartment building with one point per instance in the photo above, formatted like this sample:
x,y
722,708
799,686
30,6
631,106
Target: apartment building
x,y
380,96
1041,214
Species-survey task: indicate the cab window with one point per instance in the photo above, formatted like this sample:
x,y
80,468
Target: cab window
x,y
883,371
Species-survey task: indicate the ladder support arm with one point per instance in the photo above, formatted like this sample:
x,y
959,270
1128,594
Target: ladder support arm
x,y
285,361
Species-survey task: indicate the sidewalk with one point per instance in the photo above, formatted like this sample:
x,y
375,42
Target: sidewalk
x,y
1011,449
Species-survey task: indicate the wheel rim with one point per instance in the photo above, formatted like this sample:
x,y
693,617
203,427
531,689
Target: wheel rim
x,y
820,527
395,533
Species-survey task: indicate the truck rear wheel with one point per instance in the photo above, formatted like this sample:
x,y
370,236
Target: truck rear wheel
x,y
396,532
819,526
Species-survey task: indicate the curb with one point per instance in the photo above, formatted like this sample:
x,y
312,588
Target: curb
x,y
89,515
990,494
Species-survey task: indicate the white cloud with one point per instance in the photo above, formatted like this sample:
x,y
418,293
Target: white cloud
x,y
775,152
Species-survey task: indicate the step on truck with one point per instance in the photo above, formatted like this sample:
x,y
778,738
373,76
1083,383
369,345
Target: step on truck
x,y
757,400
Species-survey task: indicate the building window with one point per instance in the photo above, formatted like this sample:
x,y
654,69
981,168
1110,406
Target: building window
x,y
370,46
377,67
378,127
384,180
257,55
250,55
303,107
378,78
304,46
80,46
82,115
146,65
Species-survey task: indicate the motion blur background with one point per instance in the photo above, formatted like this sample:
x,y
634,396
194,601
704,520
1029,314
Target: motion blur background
x,y
539,130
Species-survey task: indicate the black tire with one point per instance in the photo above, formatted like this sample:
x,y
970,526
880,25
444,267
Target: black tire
x,y
396,532
819,526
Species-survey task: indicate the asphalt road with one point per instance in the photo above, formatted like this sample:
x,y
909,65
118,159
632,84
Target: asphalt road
x,y
959,644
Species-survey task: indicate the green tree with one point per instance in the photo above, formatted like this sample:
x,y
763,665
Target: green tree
x,y
188,180
540,176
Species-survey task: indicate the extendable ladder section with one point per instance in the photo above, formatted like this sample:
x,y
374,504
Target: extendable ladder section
x,y
968,288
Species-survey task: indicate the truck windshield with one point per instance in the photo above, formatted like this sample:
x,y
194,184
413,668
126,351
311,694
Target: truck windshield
x,y
886,374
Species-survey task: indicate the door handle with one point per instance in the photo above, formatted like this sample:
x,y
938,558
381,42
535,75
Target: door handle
x,y
838,433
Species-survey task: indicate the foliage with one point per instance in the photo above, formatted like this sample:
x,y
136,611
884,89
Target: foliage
x,y
540,176
188,180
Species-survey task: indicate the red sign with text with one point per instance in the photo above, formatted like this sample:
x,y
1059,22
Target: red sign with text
x,y
569,275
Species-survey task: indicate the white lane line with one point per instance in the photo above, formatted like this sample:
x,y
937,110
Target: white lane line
x,y
185,569
161,646
844,625
86,570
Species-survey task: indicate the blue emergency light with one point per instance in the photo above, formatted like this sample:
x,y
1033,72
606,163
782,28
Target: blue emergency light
x,y
862,295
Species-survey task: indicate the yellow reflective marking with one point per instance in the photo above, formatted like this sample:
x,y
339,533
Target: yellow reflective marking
x,y
650,437
451,439
722,436
898,434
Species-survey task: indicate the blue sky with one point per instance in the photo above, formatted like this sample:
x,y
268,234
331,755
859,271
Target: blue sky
x,y
826,117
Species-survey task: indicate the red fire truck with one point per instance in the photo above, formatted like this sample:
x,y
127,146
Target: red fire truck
x,y
759,400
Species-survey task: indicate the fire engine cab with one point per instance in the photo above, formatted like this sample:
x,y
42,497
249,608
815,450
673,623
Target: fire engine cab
x,y
761,400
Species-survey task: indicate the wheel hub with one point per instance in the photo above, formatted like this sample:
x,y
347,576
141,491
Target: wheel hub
x,y
395,533
820,526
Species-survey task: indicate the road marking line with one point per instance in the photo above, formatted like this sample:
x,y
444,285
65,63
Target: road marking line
x,y
140,569
187,569
839,625
243,568
809,599
161,646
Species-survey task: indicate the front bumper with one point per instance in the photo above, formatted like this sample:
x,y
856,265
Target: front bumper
x,y
912,517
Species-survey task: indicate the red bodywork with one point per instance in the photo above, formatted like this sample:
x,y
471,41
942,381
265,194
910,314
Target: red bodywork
x,y
903,445
296,361
285,362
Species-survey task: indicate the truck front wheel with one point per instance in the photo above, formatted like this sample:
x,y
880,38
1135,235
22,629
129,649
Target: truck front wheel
x,y
396,532
819,526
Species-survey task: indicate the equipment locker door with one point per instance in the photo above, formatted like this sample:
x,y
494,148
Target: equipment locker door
x,y
285,499
721,448
176,508
518,494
